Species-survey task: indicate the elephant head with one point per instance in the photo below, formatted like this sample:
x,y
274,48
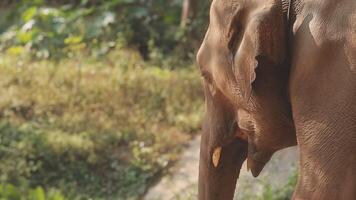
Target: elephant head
x,y
243,64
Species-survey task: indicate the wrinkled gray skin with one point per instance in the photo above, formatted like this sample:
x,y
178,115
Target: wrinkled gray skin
x,y
267,81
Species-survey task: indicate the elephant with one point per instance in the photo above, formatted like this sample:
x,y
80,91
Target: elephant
x,y
279,73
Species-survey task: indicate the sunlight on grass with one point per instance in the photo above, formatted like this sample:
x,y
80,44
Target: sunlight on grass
x,y
94,129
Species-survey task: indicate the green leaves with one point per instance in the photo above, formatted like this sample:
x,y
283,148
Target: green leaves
x,y
37,194
25,37
10,192
71,40
16,50
42,27
29,14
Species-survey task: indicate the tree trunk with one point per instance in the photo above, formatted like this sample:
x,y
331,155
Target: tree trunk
x,y
187,12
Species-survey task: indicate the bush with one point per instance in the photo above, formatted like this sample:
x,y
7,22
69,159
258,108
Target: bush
x,y
10,192
94,129
274,192
283,193
50,29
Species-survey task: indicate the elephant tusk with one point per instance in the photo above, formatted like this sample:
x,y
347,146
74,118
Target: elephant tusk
x,y
216,156
248,164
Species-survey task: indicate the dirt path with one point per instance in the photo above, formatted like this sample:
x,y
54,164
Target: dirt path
x,y
182,179
181,183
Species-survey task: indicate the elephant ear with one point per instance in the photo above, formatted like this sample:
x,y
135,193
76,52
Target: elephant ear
x,y
263,43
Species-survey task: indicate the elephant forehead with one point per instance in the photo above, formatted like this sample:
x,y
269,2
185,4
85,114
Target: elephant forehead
x,y
222,11
221,14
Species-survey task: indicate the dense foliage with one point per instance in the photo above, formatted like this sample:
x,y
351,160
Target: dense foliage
x,y
10,192
57,29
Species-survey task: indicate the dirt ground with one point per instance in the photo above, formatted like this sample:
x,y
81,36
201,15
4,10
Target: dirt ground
x,y
181,181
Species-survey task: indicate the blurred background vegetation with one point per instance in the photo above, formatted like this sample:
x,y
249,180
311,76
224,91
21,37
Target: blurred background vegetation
x,y
57,29
97,98
93,93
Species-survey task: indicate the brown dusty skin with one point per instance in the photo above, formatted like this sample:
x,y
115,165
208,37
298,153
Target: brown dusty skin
x,y
243,63
271,82
323,97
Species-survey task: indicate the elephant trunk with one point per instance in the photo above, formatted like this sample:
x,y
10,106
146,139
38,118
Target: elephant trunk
x,y
219,166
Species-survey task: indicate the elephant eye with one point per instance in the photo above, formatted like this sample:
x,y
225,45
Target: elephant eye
x,y
209,82
206,76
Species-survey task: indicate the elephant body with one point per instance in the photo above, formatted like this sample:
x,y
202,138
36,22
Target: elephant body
x,y
323,97
277,74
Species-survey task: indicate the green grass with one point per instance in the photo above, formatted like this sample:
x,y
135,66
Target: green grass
x,y
281,193
284,192
269,192
10,192
93,129
273,192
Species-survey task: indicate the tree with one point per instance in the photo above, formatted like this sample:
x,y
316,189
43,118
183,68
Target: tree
x,y
187,12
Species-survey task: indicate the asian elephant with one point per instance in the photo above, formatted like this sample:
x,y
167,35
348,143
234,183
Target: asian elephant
x,y
279,73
